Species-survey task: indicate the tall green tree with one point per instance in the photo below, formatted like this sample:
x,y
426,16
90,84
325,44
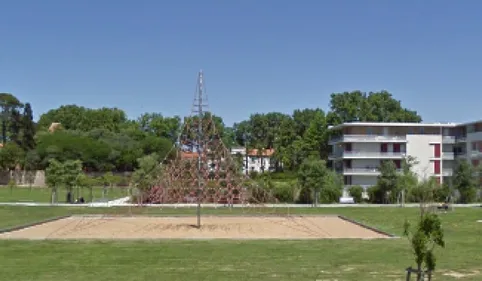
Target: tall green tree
x,y
316,136
8,104
368,107
388,182
311,178
74,117
160,126
28,128
464,181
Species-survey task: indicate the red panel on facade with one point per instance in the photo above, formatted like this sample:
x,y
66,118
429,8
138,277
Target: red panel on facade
x,y
384,147
396,147
436,148
437,180
398,164
436,167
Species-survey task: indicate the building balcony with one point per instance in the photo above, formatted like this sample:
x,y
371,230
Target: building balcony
x,y
475,154
367,138
368,171
366,155
447,172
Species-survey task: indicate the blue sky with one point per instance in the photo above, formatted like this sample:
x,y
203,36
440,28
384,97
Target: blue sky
x,y
257,55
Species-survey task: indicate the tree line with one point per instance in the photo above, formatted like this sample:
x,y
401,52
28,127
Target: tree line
x,y
104,139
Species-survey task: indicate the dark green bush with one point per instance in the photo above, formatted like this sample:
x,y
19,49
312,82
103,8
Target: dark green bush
x,y
357,193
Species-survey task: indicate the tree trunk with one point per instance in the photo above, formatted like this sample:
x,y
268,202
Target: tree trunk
x,y
419,272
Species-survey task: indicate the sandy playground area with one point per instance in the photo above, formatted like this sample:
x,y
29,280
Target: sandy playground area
x,y
213,227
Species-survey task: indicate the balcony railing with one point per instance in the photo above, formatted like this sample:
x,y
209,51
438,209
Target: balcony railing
x,y
367,170
368,138
366,154
447,172
475,153
370,154
448,155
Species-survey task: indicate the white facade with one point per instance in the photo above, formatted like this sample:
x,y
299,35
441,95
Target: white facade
x,y
255,163
360,148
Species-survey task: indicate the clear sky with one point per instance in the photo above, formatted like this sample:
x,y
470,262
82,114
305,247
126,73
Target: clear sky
x,y
257,55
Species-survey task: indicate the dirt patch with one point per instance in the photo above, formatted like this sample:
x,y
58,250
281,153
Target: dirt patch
x,y
459,275
213,227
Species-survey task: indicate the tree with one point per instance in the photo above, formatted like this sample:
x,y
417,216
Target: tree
x,y
368,107
8,104
28,128
11,156
148,174
464,181
316,136
54,177
423,240
311,178
72,169
388,182
73,117
32,161
83,181
64,174
159,126
15,127
333,187
66,145
357,193
408,179
109,179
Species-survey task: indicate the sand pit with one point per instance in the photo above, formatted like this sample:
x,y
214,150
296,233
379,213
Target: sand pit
x,y
213,227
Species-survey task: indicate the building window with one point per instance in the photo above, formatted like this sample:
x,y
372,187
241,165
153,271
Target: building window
x,y
474,146
369,131
422,131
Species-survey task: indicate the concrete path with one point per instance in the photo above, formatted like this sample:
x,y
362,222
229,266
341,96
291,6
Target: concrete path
x,y
122,202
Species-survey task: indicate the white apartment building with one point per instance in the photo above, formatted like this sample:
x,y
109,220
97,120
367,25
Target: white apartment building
x,y
256,161
359,148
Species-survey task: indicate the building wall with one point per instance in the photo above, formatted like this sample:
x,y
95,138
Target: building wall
x,y
364,180
422,148
365,163
366,147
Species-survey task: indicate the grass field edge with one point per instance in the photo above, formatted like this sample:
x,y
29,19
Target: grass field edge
x,y
37,223
379,231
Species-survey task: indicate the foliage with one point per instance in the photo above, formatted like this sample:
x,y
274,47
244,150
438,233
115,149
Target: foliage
x,y
11,155
148,174
79,118
465,182
423,240
62,174
286,192
388,183
333,188
9,106
357,193
311,178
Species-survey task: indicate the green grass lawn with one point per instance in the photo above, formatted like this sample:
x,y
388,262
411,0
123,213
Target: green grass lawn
x,y
238,260
44,195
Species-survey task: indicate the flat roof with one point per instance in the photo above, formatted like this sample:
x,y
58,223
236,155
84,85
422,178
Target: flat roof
x,y
470,123
392,124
